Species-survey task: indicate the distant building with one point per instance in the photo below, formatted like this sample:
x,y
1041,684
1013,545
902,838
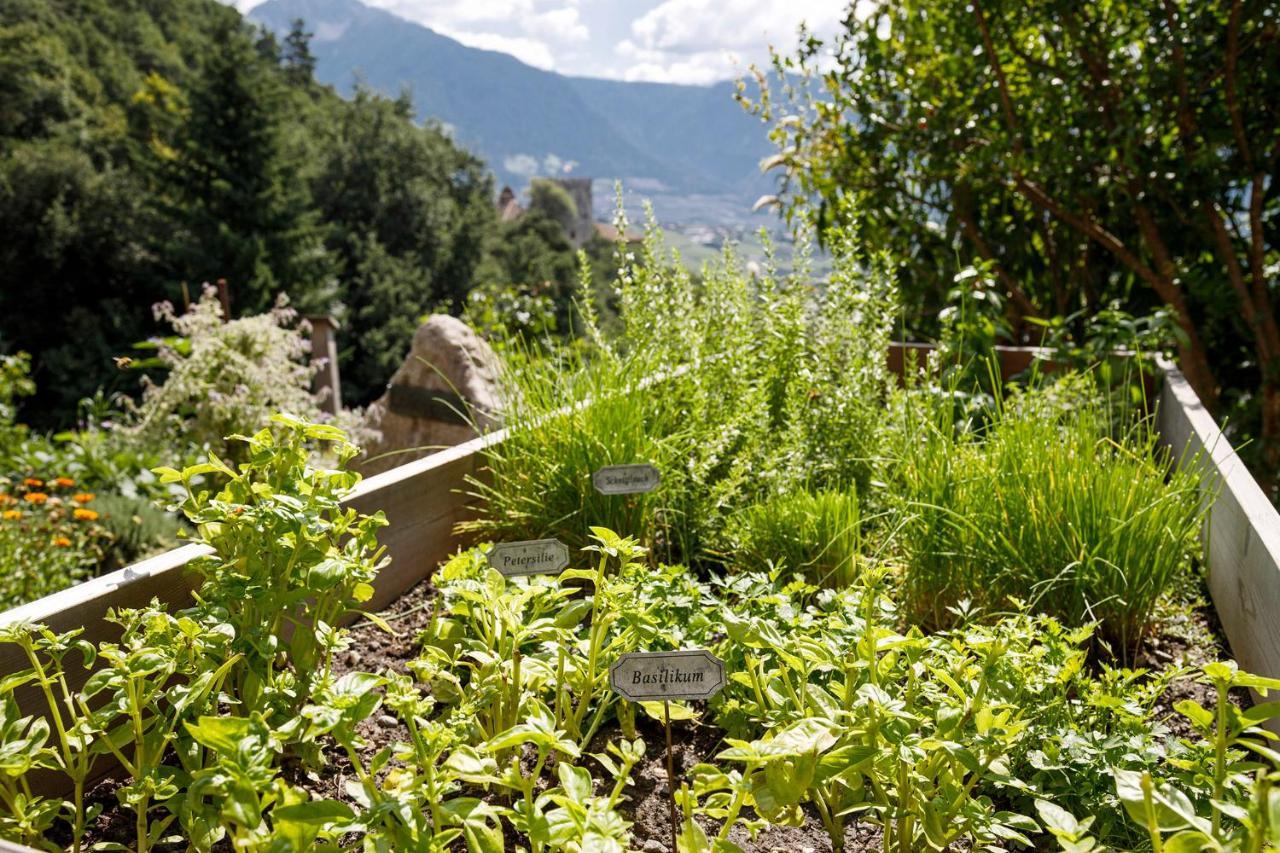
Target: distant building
x,y
584,225
509,208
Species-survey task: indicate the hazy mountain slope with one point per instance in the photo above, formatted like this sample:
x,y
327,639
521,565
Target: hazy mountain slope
x,y
701,125
692,139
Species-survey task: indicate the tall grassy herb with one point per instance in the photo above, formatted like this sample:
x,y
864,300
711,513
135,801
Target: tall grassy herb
x,y
736,386
1044,504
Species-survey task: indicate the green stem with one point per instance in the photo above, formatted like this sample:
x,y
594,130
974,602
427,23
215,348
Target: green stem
x,y
1153,829
1219,754
739,799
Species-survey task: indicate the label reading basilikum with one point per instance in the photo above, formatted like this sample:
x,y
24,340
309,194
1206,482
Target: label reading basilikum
x,y
626,479
648,676
531,557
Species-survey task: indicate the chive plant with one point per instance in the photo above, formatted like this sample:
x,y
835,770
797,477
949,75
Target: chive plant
x,y
1045,504
818,534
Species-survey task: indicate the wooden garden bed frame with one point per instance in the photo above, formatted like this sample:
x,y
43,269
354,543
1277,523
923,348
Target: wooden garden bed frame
x,y
424,499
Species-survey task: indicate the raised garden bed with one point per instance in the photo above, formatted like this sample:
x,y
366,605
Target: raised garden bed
x,y
423,503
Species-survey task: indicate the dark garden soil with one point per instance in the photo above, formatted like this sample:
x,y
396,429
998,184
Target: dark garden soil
x,y
1191,636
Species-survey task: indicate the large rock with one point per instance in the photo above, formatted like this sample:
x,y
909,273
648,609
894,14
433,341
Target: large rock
x,y
446,388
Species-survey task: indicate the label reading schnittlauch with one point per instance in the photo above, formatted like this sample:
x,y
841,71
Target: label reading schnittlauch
x,y
655,676
626,479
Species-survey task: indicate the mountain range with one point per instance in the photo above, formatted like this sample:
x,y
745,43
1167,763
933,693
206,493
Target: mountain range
x,y
692,150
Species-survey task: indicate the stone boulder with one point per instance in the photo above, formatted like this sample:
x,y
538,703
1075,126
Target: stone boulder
x,y
446,388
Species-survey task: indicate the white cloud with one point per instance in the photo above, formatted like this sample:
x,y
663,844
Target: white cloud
x,y
527,50
558,25
703,41
447,14
657,66
529,166
694,26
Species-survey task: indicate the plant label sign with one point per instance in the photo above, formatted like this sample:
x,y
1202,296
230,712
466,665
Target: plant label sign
x,y
626,479
656,676
530,557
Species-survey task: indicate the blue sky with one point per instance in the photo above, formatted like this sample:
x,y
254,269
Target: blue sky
x,y
675,41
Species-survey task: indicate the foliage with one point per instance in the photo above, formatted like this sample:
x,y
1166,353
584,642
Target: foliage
x,y
15,383
52,534
406,215
987,734
288,562
817,534
1090,154
223,377
147,150
263,631
240,209
1046,504
784,395
549,199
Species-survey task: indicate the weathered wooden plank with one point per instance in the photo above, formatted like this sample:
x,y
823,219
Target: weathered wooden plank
x,y
422,501
1241,536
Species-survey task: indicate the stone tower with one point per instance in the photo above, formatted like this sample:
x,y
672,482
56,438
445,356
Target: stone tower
x,y
584,226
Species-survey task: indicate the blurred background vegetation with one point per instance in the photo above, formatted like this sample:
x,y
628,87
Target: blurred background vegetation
x,y
149,147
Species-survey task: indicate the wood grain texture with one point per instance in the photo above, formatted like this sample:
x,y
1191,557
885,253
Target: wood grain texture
x,y
1241,536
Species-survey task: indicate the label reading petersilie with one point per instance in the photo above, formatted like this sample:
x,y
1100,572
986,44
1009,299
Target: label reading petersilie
x,y
626,479
531,557
650,676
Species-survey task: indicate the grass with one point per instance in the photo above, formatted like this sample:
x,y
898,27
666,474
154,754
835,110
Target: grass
x,y
818,534
1048,505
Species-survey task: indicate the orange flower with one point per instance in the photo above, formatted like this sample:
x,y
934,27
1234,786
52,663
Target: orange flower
x,y
85,515
62,542
64,482
12,514
32,483
83,497
35,497
5,500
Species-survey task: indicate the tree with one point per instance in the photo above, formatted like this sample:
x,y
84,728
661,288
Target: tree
x,y
245,211
299,63
553,201
407,215
1088,152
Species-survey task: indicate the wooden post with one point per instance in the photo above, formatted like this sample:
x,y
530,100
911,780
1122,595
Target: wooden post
x,y
671,775
324,350
224,296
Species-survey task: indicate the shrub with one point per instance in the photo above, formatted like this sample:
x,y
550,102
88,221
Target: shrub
x,y
224,377
1044,504
51,536
818,534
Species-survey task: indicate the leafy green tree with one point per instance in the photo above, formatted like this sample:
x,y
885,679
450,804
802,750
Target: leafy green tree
x,y
299,63
533,250
553,201
145,146
246,214
406,214
1095,153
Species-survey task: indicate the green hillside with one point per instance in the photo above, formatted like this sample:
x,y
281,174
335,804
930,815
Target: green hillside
x,y
148,146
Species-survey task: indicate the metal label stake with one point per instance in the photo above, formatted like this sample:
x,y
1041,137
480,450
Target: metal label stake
x,y
653,676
